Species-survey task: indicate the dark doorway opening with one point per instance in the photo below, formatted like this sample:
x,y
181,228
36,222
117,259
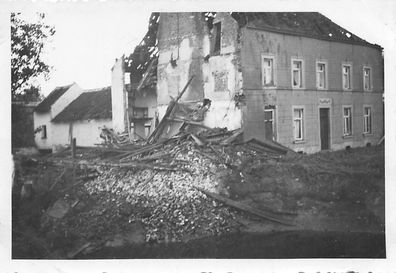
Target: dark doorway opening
x,y
324,128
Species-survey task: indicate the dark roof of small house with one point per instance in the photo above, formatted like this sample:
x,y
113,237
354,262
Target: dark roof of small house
x,y
93,104
46,104
308,24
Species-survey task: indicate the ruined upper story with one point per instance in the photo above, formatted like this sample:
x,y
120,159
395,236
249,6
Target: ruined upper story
x,y
195,44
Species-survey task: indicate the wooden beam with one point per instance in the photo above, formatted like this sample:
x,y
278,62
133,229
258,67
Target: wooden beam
x,y
246,208
155,134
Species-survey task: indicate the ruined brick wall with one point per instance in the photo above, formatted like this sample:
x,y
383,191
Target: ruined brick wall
x,y
284,48
180,39
185,39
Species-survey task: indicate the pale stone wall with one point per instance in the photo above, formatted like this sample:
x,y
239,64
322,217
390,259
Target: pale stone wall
x,y
186,38
119,98
86,132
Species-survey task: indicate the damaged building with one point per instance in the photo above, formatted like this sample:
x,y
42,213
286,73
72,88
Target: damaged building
x,y
296,78
71,112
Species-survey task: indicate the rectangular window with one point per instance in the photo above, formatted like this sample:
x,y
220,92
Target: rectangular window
x,y
216,38
346,77
367,78
44,131
347,121
269,123
268,71
298,122
321,75
367,120
297,74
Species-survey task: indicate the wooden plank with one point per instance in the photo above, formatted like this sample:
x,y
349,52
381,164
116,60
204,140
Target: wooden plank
x,y
271,145
197,140
246,208
190,122
154,156
145,149
157,131
59,178
232,138
135,165
73,147
74,253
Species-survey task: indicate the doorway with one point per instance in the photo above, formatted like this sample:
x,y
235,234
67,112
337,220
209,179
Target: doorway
x,y
324,114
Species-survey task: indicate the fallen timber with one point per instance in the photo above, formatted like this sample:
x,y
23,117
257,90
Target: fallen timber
x,y
246,208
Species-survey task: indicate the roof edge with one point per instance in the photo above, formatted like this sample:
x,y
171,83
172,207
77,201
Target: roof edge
x,y
324,38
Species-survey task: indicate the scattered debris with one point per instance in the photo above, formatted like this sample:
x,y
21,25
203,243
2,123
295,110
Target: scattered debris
x,y
112,139
59,209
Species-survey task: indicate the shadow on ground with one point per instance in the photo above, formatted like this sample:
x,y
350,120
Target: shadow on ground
x,y
288,244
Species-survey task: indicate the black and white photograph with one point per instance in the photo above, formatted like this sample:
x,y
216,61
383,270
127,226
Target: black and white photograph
x,y
147,131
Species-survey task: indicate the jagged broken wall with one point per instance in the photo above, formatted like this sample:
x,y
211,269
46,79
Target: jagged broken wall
x,y
185,49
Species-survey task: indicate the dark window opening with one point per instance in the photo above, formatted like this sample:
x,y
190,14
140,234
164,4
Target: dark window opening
x,y
140,112
217,38
43,131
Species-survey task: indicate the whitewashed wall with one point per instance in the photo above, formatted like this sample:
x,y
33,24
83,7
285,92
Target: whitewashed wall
x,y
86,132
119,101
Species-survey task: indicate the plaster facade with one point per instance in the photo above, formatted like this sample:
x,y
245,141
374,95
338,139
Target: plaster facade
x,y
282,96
86,132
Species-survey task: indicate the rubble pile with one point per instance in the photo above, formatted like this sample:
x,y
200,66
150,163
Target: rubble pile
x,y
168,200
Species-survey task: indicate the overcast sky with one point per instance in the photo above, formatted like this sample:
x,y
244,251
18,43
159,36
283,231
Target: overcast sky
x,y
89,36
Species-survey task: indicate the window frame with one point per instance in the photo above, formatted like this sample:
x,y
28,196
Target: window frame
x,y
346,134
370,88
273,58
325,77
370,116
274,124
294,108
302,74
350,76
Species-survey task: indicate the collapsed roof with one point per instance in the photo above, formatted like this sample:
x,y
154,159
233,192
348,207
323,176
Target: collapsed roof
x,y
142,62
46,104
93,104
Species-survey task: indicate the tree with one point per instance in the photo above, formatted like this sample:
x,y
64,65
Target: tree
x,y
28,40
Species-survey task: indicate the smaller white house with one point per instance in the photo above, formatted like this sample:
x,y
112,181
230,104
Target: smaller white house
x,y
83,119
46,110
68,111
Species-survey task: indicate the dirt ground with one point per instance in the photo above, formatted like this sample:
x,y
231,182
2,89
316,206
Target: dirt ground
x,y
335,201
